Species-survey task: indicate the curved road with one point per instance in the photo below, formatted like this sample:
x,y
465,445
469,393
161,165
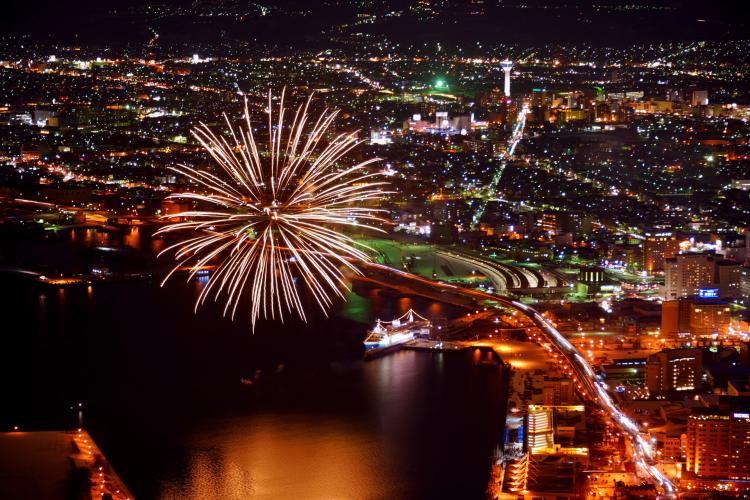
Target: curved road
x,y
642,453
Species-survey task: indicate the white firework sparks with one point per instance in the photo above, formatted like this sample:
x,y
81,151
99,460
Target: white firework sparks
x,y
271,219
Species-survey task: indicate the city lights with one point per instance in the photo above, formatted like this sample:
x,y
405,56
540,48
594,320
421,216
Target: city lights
x,y
503,246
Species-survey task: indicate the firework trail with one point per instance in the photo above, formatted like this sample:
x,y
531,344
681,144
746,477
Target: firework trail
x,y
270,216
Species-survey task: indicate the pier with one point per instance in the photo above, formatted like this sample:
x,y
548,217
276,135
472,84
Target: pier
x,y
56,465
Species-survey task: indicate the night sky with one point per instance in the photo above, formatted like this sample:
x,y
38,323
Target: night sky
x,y
458,21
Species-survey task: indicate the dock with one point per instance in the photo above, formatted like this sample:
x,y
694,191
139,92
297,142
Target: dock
x,y
434,345
56,465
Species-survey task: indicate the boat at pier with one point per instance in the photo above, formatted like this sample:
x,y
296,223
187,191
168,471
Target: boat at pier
x,y
398,331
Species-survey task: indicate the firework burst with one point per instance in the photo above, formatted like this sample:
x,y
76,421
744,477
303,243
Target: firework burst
x,y
270,217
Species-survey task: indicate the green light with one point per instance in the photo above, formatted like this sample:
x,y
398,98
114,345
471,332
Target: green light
x,y
440,84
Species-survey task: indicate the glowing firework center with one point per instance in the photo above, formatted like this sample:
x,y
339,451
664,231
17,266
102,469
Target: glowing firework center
x,y
270,251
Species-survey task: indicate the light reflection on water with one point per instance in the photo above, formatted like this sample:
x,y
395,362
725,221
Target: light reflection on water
x,y
282,456
132,237
164,402
402,443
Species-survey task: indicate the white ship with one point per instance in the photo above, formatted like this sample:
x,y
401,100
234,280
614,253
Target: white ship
x,y
398,331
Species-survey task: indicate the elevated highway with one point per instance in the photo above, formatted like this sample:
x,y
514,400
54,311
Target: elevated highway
x,y
641,452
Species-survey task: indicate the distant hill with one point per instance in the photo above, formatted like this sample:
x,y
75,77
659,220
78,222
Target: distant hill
x,y
451,22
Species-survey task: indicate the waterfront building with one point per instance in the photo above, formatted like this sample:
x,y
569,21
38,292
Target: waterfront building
x,y
540,434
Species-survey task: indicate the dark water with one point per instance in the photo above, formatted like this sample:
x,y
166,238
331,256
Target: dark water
x,y
161,395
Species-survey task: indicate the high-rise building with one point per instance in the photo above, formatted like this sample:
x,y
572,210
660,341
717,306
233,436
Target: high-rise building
x,y
540,431
507,65
718,444
656,247
685,274
674,370
694,315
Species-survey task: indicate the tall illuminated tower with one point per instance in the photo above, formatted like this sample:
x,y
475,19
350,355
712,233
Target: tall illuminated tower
x,y
507,65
